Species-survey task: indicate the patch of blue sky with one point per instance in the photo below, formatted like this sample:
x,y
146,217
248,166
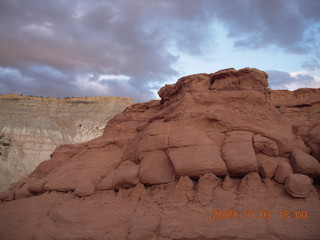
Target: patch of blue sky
x,y
223,54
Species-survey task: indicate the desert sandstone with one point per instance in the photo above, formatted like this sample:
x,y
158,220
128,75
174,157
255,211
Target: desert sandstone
x,y
220,156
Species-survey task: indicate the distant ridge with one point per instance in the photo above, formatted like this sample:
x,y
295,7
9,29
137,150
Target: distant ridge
x,y
35,126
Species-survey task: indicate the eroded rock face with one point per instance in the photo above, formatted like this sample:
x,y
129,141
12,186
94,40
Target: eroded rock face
x,y
301,109
304,163
213,141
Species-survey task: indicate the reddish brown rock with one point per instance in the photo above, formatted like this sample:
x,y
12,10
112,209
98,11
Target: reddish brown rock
x,y
197,160
298,185
268,168
126,175
303,97
153,137
304,163
299,143
301,109
156,168
224,199
251,183
246,78
157,172
184,136
106,183
284,169
313,139
144,224
239,154
227,183
22,192
7,196
37,186
264,145
205,188
84,189
183,191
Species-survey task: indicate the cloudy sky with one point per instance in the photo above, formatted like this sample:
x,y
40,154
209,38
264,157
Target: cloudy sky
x,y
132,47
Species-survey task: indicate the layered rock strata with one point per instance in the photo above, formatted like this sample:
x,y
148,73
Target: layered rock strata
x,y
214,143
32,127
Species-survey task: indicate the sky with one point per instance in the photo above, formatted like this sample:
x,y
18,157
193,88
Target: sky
x,y
131,48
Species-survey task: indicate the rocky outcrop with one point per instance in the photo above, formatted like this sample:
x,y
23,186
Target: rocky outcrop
x,y
32,127
212,157
301,110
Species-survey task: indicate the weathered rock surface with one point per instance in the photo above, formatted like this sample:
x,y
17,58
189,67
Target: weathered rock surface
x,y
175,168
298,185
304,163
301,108
268,168
265,145
239,154
284,169
156,168
32,127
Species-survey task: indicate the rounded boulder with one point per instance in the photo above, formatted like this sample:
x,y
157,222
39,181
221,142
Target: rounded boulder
x,y
298,185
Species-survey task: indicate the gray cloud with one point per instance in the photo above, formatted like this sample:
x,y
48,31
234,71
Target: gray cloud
x,y
50,48
284,80
260,24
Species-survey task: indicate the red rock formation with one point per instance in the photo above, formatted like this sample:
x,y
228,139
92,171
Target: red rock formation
x,y
162,167
302,109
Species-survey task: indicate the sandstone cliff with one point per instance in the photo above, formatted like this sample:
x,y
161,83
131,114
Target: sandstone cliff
x,y
220,156
32,127
302,109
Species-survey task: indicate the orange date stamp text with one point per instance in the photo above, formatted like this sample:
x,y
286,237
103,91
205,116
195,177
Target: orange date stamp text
x,y
261,214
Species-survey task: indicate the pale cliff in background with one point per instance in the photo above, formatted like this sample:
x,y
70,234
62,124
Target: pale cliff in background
x,y
32,127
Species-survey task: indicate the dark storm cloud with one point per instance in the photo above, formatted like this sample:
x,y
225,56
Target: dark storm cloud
x,y
51,47
259,24
100,37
